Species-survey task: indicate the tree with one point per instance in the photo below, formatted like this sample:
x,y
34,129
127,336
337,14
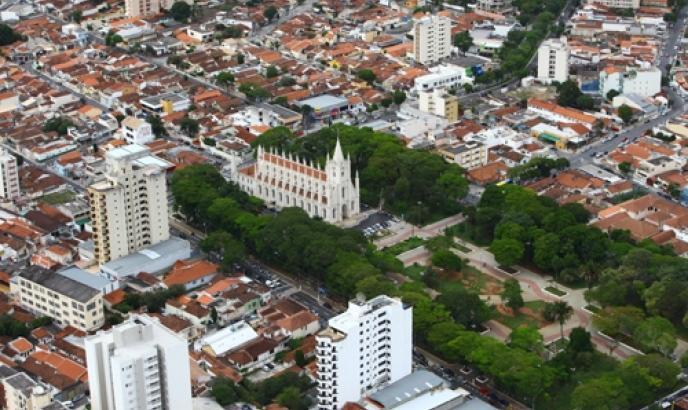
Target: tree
x,y
625,167
568,93
240,58
512,294
224,392
270,12
157,126
367,75
558,312
446,259
579,341
180,11
611,94
112,39
507,252
271,72
60,125
656,333
76,16
603,393
625,113
399,97
8,35
189,126
225,78
527,338
292,399
463,41
465,306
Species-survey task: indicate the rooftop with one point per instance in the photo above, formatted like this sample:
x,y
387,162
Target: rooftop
x,y
59,283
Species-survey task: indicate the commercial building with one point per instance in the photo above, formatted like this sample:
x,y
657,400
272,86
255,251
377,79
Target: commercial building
x,y
355,354
326,105
468,155
153,259
136,131
138,365
620,4
553,60
284,181
22,393
67,301
440,103
645,82
9,177
432,39
444,76
166,103
499,6
129,207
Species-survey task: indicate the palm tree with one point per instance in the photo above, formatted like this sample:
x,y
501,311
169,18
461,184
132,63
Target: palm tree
x,y
558,312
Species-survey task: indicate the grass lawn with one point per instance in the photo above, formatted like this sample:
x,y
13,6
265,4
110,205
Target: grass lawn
x,y
555,291
559,397
521,319
58,198
473,279
411,243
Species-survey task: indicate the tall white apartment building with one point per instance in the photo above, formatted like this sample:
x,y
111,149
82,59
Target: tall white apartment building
x,y
129,207
618,4
141,8
138,365
364,349
9,177
553,60
432,39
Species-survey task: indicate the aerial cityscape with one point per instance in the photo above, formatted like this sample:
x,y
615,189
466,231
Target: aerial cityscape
x,y
343,204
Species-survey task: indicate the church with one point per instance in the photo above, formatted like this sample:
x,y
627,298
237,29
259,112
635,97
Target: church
x,y
284,181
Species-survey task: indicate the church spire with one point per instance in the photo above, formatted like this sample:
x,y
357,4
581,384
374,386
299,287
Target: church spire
x,y
338,154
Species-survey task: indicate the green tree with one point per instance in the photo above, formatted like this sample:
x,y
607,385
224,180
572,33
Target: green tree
x,y
507,252
558,312
579,341
189,126
568,94
603,393
512,295
611,94
299,358
8,35
463,41
271,72
527,338
367,75
625,113
270,12
625,167
76,16
225,78
180,11
157,125
465,306
112,39
60,125
656,333
399,97
446,259
292,399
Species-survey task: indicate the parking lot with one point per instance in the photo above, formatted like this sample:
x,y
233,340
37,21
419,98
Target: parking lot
x,y
377,223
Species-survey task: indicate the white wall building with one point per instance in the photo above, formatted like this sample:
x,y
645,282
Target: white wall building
x,y
645,82
282,181
136,131
9,177
443,76
138,365
137,8
619,4
553,60
365,348
432,39
129,208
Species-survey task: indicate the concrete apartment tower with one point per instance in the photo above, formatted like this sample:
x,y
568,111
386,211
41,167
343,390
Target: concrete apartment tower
x,y
138,365
9,176
553,60
364,349
432,39
129,208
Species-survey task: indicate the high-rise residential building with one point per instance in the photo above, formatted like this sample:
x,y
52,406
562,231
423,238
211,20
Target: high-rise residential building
x,y
553,60
9,177
141,8
138,365
282,181
432,39
356,355
439,102
129,207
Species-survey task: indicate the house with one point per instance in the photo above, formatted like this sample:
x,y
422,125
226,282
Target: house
x,y
191,274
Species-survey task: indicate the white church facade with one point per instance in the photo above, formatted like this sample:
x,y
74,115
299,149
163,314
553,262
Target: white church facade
x,y
282,181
